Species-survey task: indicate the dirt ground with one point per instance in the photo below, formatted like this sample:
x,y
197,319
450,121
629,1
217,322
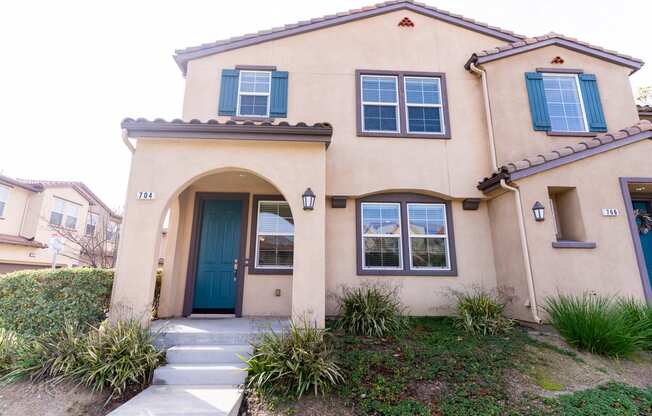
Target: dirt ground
x,y
25,399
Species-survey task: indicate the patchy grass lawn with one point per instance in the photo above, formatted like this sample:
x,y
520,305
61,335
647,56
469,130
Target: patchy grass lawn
x,y
436,369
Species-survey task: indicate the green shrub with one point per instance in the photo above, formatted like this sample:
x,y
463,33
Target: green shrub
x,y
9,344
639,316
596,324
116,356
293,362
373,311
481,312
33,302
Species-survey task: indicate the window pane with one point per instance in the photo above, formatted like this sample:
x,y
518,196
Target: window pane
x,y
58,205
564,103
253,105
4,194
429,252
382,252
380,118
56,218
427,219
379,89
275,250
422,91
275,217
71,222
381,219
258,82
424,119
2,208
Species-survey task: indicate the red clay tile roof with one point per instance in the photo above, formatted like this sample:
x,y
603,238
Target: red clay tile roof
x,y
589,147
552,38
76,185
13,182
17,240
182,56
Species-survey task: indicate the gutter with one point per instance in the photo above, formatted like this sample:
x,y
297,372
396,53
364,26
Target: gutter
x,y
494,182
125,140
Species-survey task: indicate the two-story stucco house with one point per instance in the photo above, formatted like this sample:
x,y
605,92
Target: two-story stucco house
x,y
397,143
32,211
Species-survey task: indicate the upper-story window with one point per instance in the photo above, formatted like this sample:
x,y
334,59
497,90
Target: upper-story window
x,y
111,231
4,198
253,93
402,104
64,213
565,105
91,223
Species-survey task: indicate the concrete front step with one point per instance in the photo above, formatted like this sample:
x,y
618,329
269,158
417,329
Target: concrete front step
x,y
193,354
200,374
183,401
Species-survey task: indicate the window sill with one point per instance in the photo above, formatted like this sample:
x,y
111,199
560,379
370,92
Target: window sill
x,y
574,244
253,118
571,133
404,135
254,270
407,272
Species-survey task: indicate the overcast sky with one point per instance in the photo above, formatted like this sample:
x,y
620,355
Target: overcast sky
x,y
72,70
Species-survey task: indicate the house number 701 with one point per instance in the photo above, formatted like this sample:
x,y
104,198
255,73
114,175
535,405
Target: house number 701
x,y
146,195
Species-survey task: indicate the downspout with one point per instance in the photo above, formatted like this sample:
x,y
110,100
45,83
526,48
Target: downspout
x,y
125,139
517,194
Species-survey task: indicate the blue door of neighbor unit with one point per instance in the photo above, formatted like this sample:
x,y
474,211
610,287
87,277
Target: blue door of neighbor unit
x,y
646,239
219,247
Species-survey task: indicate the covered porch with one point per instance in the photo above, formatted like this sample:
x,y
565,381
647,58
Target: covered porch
x,y
240,239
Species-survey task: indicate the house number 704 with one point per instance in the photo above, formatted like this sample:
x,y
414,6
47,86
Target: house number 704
x,y
146,195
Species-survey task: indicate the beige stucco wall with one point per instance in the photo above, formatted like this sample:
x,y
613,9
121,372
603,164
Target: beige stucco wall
x,y
11,220
610,268
322,66
515,137
157,166
422,295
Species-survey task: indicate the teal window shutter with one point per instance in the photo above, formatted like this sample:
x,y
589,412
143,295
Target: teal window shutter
x,y
592,105
279,95
229,92
537,98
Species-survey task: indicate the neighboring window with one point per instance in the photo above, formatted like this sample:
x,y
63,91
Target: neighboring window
x,y
4,198
564,102
380,103
381,236
402,104
566,214
423,105
405,234
91,223
428,233
111,231
64,214
274,235
253,93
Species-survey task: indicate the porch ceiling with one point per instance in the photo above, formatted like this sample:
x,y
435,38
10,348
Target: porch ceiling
x,y
230,130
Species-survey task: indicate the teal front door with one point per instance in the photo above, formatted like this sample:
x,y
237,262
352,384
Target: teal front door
x,y
219,247
646,239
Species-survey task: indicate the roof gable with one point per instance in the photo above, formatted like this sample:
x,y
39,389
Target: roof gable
x,y
182,56
529,44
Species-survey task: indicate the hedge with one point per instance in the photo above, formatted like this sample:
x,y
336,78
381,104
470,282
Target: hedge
x,y
34,302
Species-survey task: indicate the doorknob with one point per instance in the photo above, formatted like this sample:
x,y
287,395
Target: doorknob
x,y
235,270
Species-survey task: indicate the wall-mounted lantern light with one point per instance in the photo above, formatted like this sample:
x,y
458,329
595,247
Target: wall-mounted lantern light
x,y
538,210
308,199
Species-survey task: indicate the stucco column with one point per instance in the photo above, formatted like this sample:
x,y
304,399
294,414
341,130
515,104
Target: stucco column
x,y
133,285
309,276
168,284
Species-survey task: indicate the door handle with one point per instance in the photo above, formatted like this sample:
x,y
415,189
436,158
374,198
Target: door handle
x,y
235,269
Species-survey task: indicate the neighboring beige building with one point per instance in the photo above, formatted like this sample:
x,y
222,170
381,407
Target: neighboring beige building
x,y
645,112
31,212
391,116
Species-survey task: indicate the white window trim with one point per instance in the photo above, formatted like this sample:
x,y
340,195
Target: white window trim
x,y
256,262
440,106
268,94
6,201
396,104
88,222
579,96
399,236
64,215
440,236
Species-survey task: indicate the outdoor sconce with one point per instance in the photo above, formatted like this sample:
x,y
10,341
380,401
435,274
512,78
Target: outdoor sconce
x,y
308,199
538,210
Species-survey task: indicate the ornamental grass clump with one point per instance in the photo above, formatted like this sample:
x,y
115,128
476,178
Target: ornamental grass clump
x,y
638,315
373,311
9,344
291,363
598,324
481,312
